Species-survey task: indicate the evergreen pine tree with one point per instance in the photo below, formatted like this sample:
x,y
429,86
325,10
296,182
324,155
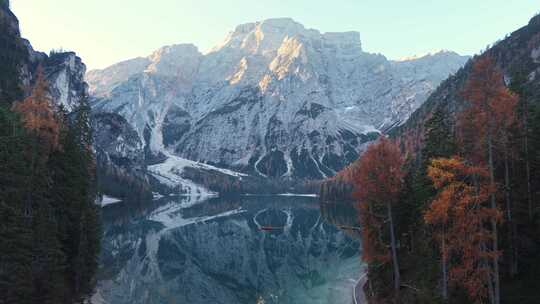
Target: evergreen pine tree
x,y
50,225
15,227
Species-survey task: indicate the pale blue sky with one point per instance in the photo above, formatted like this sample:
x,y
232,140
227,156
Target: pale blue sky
x,y
104,32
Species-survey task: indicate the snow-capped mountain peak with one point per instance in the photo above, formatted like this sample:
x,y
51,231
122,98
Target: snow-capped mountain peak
x,y
265,37
274,99
260,37
175,59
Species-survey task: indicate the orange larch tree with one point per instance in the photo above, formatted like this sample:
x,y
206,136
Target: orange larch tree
x,y
38,115
460,214
506,115
379,181
489,114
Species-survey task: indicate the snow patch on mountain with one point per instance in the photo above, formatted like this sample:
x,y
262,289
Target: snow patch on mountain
x,y
170,172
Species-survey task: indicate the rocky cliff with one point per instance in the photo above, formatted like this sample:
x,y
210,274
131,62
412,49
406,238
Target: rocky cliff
x,y
119,150
274,99
64,71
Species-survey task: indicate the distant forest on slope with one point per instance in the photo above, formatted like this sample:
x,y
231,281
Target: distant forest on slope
x,y
449,204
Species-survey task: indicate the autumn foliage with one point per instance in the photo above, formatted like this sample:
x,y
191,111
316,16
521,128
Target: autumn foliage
x,y
485,129
380,173
459,214
38,115
379,181
491,110
466,213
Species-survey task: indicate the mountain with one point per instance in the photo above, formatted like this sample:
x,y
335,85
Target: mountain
x,y
518,56
274,99
64,71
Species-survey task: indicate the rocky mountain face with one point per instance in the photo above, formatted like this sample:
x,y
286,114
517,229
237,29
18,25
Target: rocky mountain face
x,y
64,71
117,141
14,56
274,99
118,147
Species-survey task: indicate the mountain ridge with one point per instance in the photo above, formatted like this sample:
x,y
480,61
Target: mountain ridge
x,y
273,100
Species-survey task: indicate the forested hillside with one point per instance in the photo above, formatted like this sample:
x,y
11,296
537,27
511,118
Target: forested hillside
x,y
462,225
49,223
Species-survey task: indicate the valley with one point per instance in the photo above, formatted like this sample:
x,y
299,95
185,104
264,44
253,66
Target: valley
x,y
283,165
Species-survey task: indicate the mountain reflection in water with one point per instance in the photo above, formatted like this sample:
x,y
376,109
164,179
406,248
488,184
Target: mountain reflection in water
x,y
178,251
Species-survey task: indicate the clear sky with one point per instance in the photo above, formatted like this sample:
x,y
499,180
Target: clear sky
x,y
104,32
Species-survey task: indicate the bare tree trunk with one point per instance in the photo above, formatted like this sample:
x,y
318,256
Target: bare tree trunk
x,y
527,162
491,288
529,194
411,238
489,282
495,245
444,268
509,219
394,251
